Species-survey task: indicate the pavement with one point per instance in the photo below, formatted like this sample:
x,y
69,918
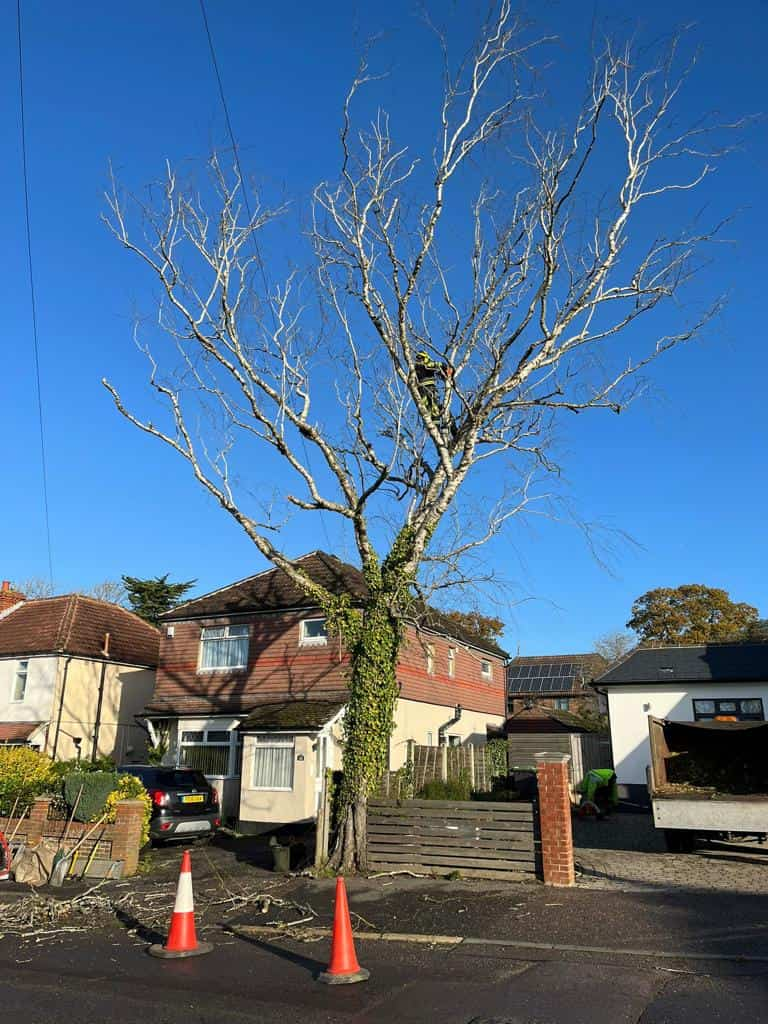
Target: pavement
x,y
633,951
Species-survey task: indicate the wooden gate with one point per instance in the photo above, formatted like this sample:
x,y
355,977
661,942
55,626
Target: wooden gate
x,y
477,839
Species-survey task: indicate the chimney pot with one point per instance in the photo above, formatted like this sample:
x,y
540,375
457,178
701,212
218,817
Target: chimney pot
x,y
6,585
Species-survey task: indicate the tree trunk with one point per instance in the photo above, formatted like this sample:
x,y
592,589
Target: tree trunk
x,y
368,724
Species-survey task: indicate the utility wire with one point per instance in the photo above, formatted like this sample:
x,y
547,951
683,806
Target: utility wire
x,y
36,347
259,260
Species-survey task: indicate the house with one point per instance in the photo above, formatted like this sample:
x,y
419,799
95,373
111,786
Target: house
x,y
727,681
251,689
536,728
561,682
74,674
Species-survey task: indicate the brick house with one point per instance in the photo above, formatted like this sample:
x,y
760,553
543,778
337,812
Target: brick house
x,y
558,682
74,674
251,689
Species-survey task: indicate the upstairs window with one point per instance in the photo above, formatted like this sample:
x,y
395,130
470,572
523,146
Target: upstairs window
x,y
313,632
451,662
224,647
485,669
20,681
562,703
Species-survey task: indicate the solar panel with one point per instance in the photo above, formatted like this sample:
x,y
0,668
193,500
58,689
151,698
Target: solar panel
x,y
543,677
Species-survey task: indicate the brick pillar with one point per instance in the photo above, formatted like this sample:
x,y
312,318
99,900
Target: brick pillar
x,y
37,820
126,834
555,819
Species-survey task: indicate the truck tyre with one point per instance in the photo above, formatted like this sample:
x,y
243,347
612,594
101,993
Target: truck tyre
x,y
679,840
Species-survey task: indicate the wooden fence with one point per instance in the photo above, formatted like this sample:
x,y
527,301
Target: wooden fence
x,y
468,762
476,839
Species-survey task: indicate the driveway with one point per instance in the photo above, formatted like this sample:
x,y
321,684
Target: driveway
x,y
626,852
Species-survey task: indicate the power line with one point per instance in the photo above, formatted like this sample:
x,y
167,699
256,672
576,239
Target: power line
x,y
36,347
259,260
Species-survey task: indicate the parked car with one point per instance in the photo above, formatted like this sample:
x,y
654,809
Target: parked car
x,y
184,803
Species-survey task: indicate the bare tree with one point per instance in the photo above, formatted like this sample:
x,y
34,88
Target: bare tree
x,y
108,590
444,356
613,646
34,588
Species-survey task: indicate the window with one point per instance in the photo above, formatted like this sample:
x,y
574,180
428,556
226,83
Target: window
x,y
273,762
740,709
430,659
562,703
206,749
224,647
485,669
454,741
451,662
313,631
20,681
429,739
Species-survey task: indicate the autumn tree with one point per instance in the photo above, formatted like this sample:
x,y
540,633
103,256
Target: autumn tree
x,y
150,598
482,627
462,300
690,614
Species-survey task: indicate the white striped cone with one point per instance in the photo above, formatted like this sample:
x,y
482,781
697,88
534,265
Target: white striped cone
x,y
182,940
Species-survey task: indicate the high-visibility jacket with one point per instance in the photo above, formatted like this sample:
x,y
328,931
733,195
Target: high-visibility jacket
x,y
599,778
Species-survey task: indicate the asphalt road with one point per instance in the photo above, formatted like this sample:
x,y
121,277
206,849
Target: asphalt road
x,y
107,977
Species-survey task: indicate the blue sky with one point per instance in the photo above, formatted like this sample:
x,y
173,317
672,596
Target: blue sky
x,y
681,472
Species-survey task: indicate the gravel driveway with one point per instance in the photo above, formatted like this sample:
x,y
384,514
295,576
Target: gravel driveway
x,y
626,852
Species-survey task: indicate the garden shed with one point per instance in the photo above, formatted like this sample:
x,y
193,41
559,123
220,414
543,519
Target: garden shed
x,y
539,728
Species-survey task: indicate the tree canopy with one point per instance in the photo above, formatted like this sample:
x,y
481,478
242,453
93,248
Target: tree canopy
x,y
150,598
690,614
483,627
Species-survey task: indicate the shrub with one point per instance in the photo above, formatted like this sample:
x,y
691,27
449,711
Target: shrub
x,y
24,773
452,789
96,788
130,788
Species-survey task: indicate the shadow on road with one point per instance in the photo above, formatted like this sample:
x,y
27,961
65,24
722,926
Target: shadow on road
x,y
315,967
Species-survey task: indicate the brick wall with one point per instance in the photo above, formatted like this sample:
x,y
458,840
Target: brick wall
x,y
120,841
555,819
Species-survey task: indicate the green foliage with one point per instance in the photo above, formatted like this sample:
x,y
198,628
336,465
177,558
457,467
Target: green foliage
x,y
482,627
129,788
690,614
152,597
757,632
24,773
496,754
96,788
451,789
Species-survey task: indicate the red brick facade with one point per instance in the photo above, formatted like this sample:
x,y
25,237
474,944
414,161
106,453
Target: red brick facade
x,y
555,819
279,666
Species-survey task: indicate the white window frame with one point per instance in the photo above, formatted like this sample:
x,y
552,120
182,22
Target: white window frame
x,y
430,738
453,739
226,627
312,641
230,743
430,659
452,662
486,669
20,675
274,741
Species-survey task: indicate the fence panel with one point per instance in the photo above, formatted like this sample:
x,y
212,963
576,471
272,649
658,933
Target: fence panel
x,y
476,839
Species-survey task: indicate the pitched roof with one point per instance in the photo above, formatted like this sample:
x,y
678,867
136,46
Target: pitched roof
x,y
295,714
700,663
74,624
274,590
551,673
541,719
189,706
17,732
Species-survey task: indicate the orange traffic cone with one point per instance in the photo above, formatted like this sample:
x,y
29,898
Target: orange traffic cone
x,y
343,968
182,940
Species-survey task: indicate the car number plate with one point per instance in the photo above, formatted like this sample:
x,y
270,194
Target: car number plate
x,y
198,798
193,826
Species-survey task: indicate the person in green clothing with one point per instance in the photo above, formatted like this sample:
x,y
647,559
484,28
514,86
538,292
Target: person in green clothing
x,y
599,792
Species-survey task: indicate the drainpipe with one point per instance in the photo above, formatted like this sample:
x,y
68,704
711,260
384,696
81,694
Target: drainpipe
x,y
97,724
61,707
441,737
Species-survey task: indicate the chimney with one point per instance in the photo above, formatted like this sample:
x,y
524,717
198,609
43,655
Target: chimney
x,y
8,596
